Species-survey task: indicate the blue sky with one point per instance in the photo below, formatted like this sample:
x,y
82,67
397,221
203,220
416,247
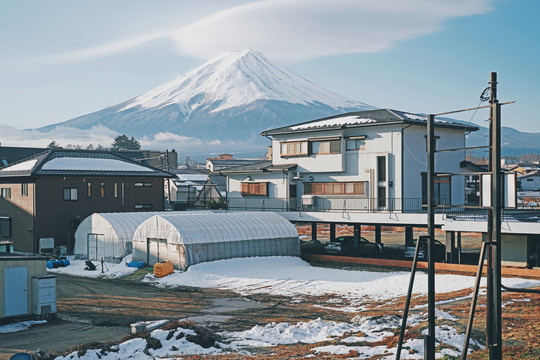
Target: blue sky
x,y
62,58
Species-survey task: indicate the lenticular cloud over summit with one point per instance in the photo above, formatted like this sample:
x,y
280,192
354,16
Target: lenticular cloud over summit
x,y
229,99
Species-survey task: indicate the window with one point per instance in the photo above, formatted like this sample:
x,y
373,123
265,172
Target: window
x,y
143,206
325,146
143,184
5,193
296,148
254,189
89,189
356,143
441,190
5,226
123,195
24,189
115,189
102,190
70,194
530,179
335,188
381,168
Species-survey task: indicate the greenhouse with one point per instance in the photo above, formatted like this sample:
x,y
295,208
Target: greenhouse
x,y
202,237
108,235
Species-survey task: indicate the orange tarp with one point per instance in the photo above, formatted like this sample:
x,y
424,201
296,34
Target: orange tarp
x,y
163,268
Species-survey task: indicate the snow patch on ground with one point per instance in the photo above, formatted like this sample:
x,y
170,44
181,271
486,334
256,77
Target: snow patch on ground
x,y
291,276
19,326
110,271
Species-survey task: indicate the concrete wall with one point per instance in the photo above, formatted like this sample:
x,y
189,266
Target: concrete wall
x,y
514,249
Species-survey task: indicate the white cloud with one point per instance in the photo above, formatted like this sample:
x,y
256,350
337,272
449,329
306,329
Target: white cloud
x,y
101,135
63,136
302,29
192,146
106,49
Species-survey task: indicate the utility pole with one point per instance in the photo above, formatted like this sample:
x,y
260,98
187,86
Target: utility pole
x,y
495,345
429,339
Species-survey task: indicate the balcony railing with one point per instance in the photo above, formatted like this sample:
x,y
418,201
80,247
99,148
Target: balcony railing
x,y
327,204
527,211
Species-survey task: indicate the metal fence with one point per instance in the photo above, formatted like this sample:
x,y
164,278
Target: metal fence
x,y
527,210
508,214
327,204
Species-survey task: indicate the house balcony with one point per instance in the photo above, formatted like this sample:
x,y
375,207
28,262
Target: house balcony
x,y
326,204
526,211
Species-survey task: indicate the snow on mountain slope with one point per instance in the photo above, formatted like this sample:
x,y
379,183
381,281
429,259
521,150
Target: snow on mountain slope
x,y
227,101
237,79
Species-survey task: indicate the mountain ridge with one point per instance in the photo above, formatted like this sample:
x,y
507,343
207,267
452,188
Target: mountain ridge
x,y
239,93
233,98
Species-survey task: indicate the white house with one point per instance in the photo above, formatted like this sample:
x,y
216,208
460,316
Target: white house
x,y
530,181
369,160
185,187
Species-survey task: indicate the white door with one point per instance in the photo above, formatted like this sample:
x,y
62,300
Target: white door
x,y
96,244
156,250
16,290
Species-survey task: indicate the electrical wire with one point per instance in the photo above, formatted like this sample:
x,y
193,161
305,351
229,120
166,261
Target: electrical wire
x,y
484,96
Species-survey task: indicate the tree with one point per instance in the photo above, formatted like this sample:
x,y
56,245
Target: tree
x,y
53,145
122,142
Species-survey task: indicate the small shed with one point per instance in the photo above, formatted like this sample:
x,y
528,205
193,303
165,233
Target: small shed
x,y
25,287
203,237
108,235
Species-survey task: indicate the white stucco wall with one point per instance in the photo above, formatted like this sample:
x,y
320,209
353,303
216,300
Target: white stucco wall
x,y
405,161
312,163
277,191
415,160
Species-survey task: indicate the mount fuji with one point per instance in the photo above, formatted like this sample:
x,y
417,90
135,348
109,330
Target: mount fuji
x,y
231,98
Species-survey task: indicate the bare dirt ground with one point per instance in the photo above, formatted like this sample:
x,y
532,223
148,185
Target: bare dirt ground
x,y
96,310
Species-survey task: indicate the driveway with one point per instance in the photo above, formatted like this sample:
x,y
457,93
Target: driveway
x,y
91,310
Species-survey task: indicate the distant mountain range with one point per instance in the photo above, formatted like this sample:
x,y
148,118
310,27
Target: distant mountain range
x,y
514,142
236,96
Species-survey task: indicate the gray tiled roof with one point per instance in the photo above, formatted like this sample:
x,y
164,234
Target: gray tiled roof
x,y
366,118
80,163
11,154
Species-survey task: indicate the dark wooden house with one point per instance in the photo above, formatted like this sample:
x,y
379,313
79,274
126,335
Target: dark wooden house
x,y
47,195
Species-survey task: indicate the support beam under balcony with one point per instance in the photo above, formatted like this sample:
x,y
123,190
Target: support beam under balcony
x,y
314,231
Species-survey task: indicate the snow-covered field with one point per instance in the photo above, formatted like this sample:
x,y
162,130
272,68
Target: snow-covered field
x,y
294,278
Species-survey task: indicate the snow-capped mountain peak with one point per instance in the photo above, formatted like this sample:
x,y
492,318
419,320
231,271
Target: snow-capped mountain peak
x,y
236,79
229,100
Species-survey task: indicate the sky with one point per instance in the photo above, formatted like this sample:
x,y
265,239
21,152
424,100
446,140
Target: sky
x,y
61,59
